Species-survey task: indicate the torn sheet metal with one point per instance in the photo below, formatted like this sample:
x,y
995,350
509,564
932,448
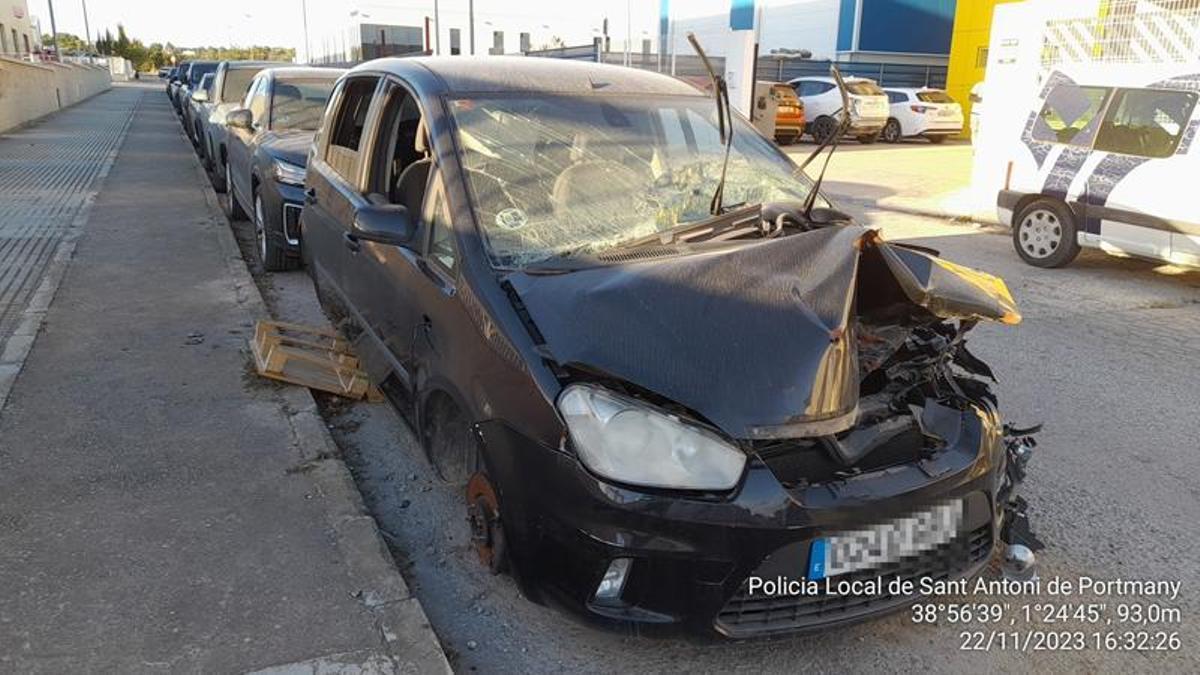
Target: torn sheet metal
x,y
758,339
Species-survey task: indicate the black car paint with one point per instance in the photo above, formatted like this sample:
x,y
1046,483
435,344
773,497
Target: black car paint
x,y
251,154
215,149
469,337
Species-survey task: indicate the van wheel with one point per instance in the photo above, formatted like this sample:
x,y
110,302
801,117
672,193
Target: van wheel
x,y
823,129
891,131
232,209
1045,234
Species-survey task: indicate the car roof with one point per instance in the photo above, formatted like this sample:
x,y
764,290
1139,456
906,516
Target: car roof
x,y
304,71
829,79
507,74
252,64
912,90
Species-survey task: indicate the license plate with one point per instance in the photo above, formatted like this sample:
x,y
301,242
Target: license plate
x,y
884,543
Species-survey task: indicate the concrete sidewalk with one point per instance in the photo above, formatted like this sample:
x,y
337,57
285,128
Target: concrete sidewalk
x,y
161,507
913,177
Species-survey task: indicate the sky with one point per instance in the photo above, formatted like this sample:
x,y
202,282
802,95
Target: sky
x,y
280,23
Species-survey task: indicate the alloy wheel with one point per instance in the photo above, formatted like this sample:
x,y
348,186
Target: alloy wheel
x,y
891,132
1040,233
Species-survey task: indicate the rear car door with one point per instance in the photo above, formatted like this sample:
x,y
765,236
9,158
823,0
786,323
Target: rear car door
x,y
334,190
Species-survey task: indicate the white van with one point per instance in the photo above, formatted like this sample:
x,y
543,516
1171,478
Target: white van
x,y
1107,159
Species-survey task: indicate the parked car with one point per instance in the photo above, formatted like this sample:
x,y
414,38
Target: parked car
x,y
163,73
196,73
1097,158
921,111
823,103
177,80
777,112
231,81
650,399
198,110
267,151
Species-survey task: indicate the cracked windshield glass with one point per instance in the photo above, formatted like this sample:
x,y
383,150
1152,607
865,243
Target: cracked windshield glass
x,y
558,177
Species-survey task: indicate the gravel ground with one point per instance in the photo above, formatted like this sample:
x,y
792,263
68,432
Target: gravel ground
x,y
1104,357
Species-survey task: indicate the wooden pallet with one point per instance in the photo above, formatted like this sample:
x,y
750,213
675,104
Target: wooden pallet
x,y
310,357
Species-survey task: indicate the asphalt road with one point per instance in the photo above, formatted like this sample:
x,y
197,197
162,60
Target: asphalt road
x,y
1105,357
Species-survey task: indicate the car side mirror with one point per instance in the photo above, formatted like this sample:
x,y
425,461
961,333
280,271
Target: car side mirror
x,y
240,119
200,96
385,224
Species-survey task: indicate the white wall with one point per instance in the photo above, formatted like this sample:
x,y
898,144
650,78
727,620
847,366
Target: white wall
x,y
788,24
31,90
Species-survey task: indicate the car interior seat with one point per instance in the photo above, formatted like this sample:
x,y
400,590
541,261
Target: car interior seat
x,y
409,189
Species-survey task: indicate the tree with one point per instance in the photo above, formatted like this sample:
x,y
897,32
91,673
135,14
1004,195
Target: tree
x,y
67,43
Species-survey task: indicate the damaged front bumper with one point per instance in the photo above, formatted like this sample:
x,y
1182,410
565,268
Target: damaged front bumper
x,y
690,557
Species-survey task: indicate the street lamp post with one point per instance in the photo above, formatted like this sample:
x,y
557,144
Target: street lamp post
x,y
54,31
87,31
304,15
471,23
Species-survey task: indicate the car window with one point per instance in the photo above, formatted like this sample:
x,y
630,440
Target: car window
x,y
862,88
237,83
348,125
257,101
897,97
397,148
934,96
810,88
556,176
1071,114
1146,122
441,235
299,103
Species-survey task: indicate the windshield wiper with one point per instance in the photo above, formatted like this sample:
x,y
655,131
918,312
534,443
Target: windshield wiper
x,y
843,125
737,215
724,120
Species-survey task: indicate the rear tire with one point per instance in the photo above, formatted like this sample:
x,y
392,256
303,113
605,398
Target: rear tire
x,y
823,129
1045,234
233,210
891,131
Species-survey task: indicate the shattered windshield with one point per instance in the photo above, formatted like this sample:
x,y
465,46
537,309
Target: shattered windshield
x,y
553,177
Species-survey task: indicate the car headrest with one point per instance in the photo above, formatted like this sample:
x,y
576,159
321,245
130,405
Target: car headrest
x,y
421,142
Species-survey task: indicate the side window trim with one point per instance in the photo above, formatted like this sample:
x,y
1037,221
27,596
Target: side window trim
x,y
437,211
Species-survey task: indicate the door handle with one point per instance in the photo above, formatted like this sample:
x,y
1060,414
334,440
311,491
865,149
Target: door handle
x,y
310,196
351,242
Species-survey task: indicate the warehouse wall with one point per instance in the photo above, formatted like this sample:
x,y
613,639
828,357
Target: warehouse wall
x,y
29,91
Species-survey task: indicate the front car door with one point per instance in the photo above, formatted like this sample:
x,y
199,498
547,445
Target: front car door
x,y
241,142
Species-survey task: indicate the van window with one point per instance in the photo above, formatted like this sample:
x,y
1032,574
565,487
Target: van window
x,y
1071,114
441,236
1146,122
348,126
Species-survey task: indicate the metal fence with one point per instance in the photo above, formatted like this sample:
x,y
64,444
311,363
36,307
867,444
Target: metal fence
x,y
769,68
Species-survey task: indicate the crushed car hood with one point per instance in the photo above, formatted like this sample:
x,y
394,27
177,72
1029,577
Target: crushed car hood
x,y
758,339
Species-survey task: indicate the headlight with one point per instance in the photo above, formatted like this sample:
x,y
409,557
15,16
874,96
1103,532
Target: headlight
x,y
286,172
631,442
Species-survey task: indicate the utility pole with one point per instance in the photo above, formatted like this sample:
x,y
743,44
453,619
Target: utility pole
x,y
54,30
437,30
304,15
87,31
471,23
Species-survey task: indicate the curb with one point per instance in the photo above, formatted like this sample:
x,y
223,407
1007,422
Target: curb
x,y
405,633
987,224
20,343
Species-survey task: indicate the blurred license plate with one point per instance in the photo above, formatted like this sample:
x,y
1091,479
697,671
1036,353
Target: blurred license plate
x,y
884,543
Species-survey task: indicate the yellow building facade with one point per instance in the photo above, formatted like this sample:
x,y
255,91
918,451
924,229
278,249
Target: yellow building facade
x,y
969,49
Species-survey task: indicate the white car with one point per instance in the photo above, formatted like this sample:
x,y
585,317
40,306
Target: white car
x,y
823,104
922,112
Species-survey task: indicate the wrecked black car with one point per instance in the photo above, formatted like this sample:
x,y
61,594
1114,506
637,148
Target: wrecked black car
x,y
660,364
